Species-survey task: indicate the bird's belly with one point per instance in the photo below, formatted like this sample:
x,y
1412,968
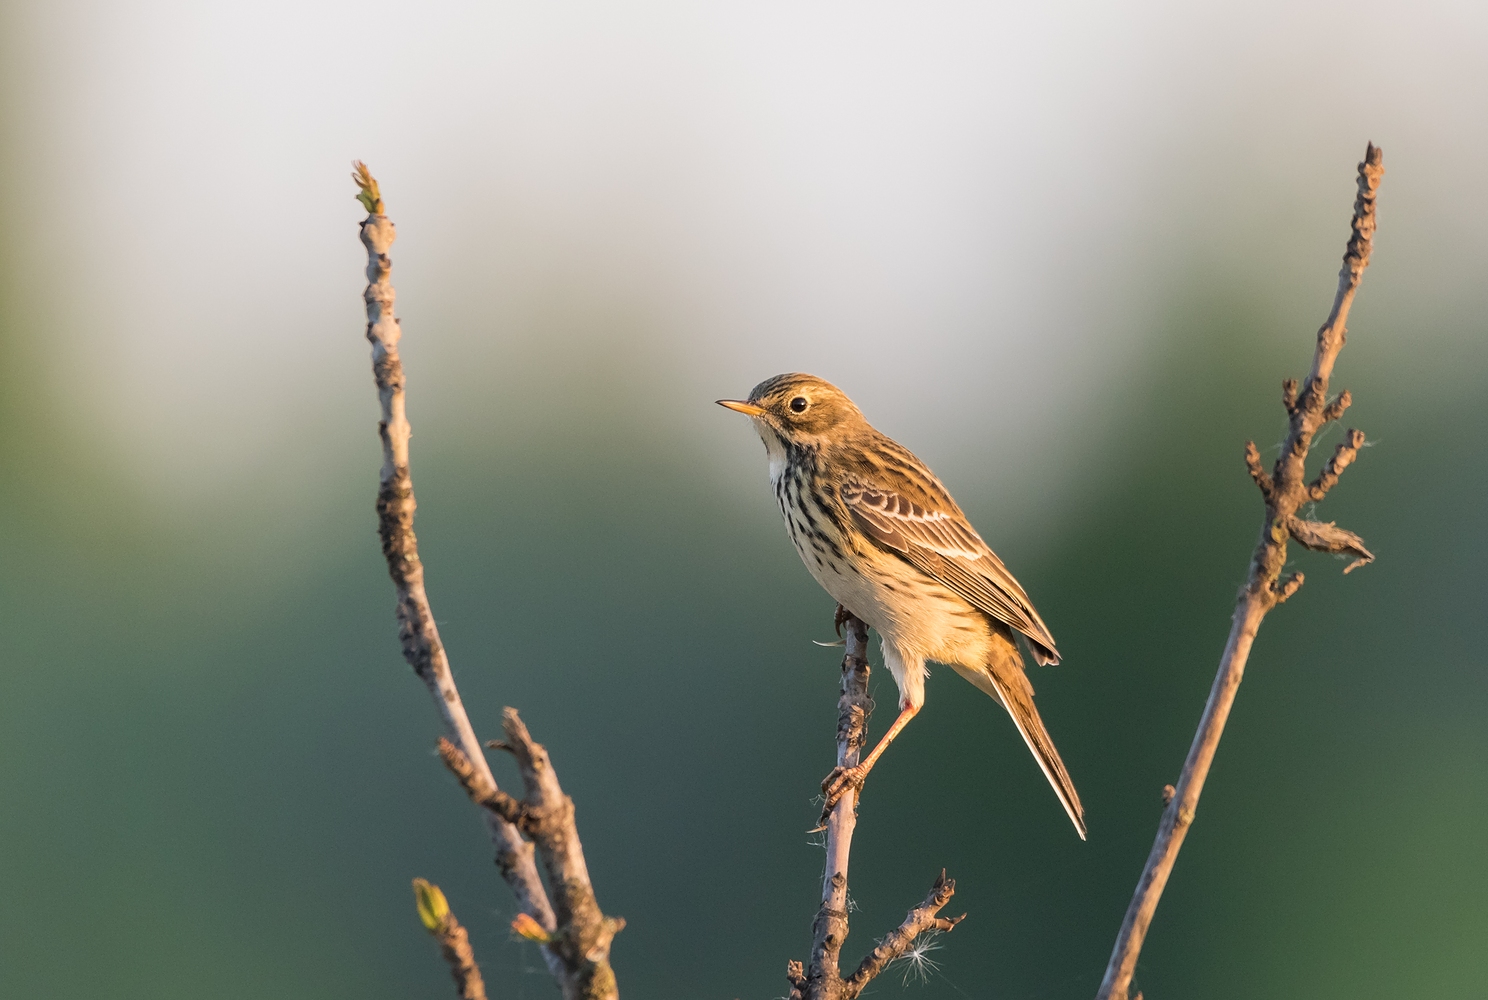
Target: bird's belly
x,y
912,611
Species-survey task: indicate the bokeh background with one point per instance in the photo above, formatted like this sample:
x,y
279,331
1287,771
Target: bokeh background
x,y
1066,252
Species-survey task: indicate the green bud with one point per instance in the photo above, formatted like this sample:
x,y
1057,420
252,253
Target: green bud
x,y
433,908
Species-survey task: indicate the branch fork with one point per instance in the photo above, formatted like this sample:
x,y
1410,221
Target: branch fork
x,y
583,933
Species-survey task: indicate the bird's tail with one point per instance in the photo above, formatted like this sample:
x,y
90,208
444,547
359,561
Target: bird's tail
x,y
1012,689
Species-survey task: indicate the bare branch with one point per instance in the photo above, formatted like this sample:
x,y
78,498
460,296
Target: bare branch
x,y
822,978
454,942
829,930
921,919
1264,589
417,631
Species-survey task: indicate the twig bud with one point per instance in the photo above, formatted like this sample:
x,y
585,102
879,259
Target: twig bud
x,y
524,926
433,908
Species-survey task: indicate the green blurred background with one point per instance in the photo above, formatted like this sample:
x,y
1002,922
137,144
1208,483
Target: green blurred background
x,y
1066,253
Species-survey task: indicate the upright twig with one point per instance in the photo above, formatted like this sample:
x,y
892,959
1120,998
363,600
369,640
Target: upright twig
x,y
822,979
395,508
575,935
1285,490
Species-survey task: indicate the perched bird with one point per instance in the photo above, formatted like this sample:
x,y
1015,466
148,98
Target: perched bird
x,y
880,533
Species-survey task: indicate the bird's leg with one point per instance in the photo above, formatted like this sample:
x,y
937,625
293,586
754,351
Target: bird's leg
x,y
836,784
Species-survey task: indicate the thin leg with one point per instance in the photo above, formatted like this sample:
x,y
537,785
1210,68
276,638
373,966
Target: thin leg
x,y
843,778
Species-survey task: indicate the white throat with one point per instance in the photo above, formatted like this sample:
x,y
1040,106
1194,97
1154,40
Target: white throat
x,y
774,450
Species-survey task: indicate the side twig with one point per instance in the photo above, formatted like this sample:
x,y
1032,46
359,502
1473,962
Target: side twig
x,y
417,631
900,940
1285,490
822,979
454,942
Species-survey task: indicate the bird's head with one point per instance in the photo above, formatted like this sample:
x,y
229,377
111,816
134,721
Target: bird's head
x,y
798,407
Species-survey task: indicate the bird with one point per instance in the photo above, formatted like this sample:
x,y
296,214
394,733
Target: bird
x,y
883,536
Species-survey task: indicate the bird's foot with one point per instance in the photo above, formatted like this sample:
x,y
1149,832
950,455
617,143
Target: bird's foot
x,y
837,784
839,619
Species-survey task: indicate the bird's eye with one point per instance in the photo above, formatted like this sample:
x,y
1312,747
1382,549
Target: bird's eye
x,y
798,405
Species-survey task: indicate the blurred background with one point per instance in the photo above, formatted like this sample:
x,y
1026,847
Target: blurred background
x,y
1067,253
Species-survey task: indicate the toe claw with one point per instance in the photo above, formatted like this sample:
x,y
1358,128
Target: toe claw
x,y
834,786
837,784
839,619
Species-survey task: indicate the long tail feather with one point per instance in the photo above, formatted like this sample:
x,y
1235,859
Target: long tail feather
x,y
1016,695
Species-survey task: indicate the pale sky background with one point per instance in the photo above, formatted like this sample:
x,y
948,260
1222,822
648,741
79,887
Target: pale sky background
x,y
969,215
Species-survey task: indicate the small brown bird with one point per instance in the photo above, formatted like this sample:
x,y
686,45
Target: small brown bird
x,y
880,533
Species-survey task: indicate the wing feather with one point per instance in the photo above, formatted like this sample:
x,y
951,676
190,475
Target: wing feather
x,y
943,545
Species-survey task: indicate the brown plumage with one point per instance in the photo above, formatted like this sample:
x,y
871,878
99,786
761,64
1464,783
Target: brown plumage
x,y
881,534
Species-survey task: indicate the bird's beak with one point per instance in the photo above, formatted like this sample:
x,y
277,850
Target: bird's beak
x,y
748,409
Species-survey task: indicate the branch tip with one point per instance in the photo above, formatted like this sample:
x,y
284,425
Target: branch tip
x,y
1336,408
1288,587
454,941
1329,537
795,975
1361,242
368,193
1343,456
1257,472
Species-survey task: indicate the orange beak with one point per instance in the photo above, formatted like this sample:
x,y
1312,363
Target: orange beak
x,y
738,405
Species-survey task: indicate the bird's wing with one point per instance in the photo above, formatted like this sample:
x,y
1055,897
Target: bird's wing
x,y
943,545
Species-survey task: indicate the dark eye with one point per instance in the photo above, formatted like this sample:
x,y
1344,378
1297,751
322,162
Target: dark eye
x,y
798,405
